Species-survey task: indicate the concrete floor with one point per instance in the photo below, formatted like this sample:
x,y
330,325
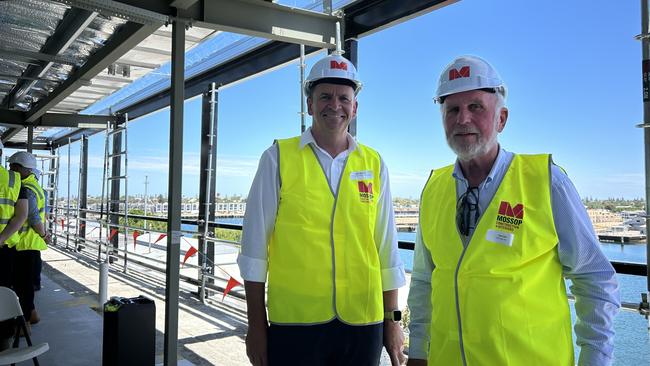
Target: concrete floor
x,y
208,334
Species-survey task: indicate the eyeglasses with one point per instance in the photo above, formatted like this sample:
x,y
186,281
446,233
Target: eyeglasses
x,y
464,208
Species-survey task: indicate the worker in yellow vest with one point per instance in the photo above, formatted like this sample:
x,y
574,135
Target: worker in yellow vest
x,y
13,212
498,234
319,222
33,234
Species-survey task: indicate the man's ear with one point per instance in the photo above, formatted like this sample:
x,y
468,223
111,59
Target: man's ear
x,y
503,119
309,109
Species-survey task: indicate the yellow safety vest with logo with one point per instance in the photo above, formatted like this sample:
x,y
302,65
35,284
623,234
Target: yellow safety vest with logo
x,y
323,260
9,191
29,238
502,299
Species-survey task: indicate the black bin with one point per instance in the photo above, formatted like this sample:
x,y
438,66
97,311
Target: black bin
x,y
129,332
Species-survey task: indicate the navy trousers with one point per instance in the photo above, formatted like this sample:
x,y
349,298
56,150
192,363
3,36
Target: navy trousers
x,y
333,343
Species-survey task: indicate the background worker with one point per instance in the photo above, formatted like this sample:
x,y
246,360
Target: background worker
x,y
319,220
13,212
33,234
502,231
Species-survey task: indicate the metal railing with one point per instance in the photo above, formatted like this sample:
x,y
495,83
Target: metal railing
x,y
625,268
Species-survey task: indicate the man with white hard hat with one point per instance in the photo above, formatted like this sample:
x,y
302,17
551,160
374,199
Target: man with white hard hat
x,y
498,234
33,234
319,221
13,212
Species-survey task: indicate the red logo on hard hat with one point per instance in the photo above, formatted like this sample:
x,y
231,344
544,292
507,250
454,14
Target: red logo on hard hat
x,y
338,65
462,73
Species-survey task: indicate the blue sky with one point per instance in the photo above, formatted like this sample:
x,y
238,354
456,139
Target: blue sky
x,y
572,68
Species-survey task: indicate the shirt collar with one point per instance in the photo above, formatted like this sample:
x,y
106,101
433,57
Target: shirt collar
x,y
308,138
498,165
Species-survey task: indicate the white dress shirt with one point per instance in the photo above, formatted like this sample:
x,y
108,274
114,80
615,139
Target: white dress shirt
x,y
593,280
262,207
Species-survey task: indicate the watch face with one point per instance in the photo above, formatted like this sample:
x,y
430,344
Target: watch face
x,y
397,315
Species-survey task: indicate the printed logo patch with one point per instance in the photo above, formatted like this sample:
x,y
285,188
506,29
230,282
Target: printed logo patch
x,y
338,65
365,192
509,217
464,72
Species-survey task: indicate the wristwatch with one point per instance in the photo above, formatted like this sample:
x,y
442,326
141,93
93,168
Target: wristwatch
x,y
394,315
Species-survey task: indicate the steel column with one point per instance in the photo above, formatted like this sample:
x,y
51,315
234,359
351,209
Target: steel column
x,y
208,174
645,42
83,187
30,138
351,53
174,191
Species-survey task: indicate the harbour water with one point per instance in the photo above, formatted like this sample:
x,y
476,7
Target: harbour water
x,y
632,342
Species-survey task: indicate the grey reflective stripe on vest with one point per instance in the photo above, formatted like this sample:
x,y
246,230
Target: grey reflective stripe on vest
x,y
4,221
36,191
23,229
7,201
12,179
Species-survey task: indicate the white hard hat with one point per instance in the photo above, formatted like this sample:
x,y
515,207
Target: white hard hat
x,y
2,146
333,67
468,73
24,159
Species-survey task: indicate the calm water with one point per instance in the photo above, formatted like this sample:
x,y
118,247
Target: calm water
x,y
632,343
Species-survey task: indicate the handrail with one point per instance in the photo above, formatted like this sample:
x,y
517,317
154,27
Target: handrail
x,y
626,268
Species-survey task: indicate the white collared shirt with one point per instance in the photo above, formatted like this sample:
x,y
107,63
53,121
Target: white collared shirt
x,y
262,207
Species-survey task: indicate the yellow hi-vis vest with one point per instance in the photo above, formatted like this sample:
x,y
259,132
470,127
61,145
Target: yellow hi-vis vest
x,y
9,190
323,260
29,238
501,300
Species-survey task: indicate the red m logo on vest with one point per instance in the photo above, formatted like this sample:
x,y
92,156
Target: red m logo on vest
x,y
507,210
363,188
338,65
462,73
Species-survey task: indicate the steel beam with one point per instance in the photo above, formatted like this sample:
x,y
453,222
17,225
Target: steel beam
x,y
270,20
366,17
188,38
10,133
144,65
74,120
23,145
71,26
127,36
35,58
12,117
208,173
253,17
137,14
72,136
261,59
174,194
357,22
155,51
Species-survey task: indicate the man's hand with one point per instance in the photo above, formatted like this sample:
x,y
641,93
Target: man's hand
x,y
394,342
416,362
256,346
